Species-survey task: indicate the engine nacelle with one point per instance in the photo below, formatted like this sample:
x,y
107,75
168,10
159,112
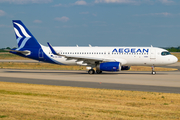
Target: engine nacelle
x,y
109,66
125,67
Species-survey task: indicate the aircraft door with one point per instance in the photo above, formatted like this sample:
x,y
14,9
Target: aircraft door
x,y
153,54
41,54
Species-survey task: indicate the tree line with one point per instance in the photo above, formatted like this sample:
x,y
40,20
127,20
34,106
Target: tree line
x,y
173,49
3,49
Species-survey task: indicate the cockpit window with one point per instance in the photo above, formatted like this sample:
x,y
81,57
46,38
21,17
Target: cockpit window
x,y
165,53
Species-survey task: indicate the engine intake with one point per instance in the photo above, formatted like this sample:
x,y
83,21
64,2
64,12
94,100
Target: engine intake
x,y
109,66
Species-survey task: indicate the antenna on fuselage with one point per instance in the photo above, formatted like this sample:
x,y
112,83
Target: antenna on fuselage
x,y
77,46
90,45
151,46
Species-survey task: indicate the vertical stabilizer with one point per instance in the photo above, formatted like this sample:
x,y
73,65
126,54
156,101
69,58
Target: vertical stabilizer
x,y
23,36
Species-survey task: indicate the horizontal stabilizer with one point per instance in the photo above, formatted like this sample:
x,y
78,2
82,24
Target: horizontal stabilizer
x,y
23,52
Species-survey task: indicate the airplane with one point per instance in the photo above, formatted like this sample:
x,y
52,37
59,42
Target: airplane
x,y
97,59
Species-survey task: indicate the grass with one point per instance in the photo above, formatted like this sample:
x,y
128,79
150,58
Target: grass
x,y
43,66
2,116
28,101
9,56
177,54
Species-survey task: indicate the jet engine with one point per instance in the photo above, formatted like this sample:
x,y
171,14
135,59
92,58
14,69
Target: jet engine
x,y
108,66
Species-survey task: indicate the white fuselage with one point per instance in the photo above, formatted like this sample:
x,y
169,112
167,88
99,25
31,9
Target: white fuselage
x,y
128,56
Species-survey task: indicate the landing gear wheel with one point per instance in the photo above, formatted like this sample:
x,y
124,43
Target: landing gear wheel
x,y
91,71
153,72
98,71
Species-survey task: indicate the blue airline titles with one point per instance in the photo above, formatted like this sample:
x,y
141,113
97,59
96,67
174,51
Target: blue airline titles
x,y
131,50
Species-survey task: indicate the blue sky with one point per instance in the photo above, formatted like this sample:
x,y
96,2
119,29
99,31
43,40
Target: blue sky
x,y
95,22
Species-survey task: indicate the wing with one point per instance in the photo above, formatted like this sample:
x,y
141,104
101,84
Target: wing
x,y
85,59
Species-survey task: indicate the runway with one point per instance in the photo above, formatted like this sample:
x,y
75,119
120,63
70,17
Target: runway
x,y
168,82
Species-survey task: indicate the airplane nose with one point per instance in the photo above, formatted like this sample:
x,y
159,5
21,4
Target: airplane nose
x,y
175,59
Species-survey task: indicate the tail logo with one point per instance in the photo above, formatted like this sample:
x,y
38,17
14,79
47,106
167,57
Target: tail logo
x,y
22,35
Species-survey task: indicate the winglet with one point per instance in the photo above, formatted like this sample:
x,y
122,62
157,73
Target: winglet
x,y
52,49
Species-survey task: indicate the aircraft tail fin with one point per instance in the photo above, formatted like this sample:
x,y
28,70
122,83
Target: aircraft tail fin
x,y
24,37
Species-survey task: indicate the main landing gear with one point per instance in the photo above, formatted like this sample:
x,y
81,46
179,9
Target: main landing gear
x,y
153,71
92,71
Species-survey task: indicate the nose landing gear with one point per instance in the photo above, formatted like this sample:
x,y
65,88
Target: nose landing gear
x,y
153,70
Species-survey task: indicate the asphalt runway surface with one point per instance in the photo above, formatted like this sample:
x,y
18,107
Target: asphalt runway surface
x,y
168,82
